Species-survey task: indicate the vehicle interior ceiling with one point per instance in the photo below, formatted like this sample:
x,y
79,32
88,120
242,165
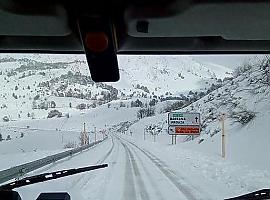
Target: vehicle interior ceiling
x,y
134,27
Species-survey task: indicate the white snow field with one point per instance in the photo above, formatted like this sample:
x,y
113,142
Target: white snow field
x,y
140,167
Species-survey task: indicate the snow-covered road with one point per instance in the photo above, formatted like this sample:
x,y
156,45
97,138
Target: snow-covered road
x,y
150,177
133,173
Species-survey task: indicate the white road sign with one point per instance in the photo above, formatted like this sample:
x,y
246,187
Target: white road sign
x,y
182,118
181,123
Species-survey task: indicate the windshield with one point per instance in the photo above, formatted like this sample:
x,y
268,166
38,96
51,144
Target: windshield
x,y
173,127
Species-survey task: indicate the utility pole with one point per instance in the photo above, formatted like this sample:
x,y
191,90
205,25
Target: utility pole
x,y
84,134
144,133
223,149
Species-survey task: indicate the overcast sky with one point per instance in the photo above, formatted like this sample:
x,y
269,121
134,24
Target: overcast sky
x,y
230,61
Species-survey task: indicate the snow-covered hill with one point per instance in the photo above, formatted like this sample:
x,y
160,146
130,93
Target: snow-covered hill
x,y
162,74
30,84
245,101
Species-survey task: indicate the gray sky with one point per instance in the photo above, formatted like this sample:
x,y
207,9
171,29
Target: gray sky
x,y
230,61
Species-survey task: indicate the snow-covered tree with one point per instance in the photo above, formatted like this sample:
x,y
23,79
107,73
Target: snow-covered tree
x,y
8,137
34,105
6,119
53,104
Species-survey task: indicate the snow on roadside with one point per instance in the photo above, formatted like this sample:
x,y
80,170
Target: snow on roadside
x,y
245,100
48,136
226,178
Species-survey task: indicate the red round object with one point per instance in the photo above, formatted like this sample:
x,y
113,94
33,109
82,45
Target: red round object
x,y
96,41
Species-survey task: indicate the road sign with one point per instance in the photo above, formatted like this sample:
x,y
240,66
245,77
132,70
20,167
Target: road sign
x,y
181,118
187,130
181,123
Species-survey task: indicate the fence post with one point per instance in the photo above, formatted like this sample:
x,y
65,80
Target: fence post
x,y
144,134
223,153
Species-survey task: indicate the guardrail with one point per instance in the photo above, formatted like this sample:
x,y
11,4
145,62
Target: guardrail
x,y
20,170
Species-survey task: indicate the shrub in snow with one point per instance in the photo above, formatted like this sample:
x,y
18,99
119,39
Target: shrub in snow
x,y
137,103
216,131
53,104
175,106
8,137
153,129
70,145
266,71
37,97
81,106
242,69
43,105
94,105
145,112
122,104
54,113
1,137
200,141
5,119
15,96
22,134
32,115
243,117
153,102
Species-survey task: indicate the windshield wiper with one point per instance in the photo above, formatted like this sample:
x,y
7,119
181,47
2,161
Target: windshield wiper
x,y
258,195
48,176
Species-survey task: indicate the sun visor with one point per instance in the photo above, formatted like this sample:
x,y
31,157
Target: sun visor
x,y
197,27
41,20
237,20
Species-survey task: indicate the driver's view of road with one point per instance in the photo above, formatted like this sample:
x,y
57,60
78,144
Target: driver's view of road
x,y
173,127
133,173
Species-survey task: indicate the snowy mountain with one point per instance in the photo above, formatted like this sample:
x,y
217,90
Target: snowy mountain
x,y
161,74
244,98
31,84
